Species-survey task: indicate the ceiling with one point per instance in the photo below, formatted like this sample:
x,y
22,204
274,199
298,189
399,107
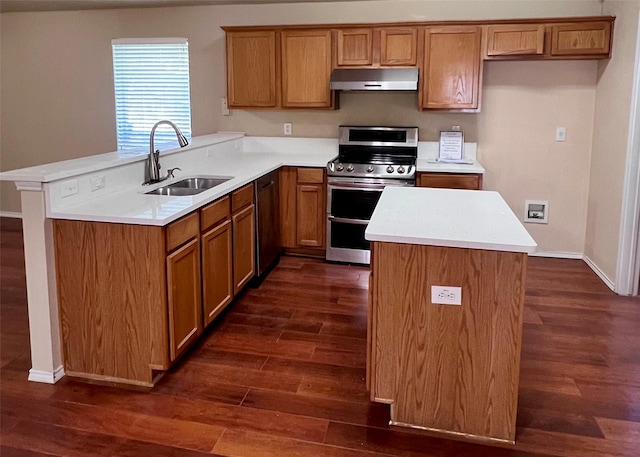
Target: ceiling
x,y
8,6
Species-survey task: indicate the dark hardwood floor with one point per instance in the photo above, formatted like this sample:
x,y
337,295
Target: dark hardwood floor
x,y
282,374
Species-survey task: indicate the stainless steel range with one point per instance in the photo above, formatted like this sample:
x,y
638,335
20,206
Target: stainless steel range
x,y
369,159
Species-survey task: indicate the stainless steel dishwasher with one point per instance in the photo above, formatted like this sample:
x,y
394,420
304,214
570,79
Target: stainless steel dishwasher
x,y
268,248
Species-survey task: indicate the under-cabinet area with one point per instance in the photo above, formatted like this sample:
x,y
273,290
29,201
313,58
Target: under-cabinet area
x,y
134,298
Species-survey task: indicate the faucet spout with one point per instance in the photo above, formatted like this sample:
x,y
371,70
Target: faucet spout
x,y
153,161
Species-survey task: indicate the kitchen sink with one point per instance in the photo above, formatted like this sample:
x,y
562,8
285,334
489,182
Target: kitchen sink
x,y
190,186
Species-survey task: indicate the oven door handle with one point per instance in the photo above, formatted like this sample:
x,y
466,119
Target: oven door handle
x,y
346,220
356,185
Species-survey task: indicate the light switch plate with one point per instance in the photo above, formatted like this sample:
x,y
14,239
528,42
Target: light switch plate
x,y
69,187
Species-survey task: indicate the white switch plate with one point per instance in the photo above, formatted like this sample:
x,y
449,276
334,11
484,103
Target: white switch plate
x,y
69,188
561,134
97,182
224,107
287,128
446,295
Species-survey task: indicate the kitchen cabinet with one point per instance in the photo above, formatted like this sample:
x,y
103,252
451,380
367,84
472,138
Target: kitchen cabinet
x,y
581,39
134,298
377,47
515,39
306,69
303,210
183,297
471,181
452,68
251,69
217,259
578,38
355,47
244,244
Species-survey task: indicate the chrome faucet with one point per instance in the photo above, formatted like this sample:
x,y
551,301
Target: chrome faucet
x,y
152,174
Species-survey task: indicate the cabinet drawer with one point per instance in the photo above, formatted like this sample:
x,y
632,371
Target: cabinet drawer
x,y
182,231
211,214
450,180
310,175
242,197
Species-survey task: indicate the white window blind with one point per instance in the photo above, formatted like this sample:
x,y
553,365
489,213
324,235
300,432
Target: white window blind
x,y
151,79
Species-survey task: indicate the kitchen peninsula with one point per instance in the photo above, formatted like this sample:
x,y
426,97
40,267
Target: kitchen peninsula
x,y
445,312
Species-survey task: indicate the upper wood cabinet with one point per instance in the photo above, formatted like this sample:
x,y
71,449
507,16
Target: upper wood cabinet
x,y
515,39
399,46
585,38
582,39
251,69
306,69
377,47
355,47
452,68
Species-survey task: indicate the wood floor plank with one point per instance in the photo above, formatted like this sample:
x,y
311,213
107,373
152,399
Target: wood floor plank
x,y
373,414
619,430
244,444
124,424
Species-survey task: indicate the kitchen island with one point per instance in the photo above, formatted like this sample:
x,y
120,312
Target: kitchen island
x,y
447,359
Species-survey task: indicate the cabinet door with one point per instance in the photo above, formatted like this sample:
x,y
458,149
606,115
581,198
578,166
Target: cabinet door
x,y
451,180
515,39
288,187
591,38
310,209
355,47
185,309
399,46
306,69
251,69
244,247
217,272
451,70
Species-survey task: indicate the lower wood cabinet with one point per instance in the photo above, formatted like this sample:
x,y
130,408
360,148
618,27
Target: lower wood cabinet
x,y
133,298
217,270
183,297
244,247
303,210
472,181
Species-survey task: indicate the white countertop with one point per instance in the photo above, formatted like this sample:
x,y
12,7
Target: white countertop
x,y
473,219
123,199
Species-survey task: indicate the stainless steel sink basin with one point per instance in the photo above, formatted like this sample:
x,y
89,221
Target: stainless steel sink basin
x,y
190,186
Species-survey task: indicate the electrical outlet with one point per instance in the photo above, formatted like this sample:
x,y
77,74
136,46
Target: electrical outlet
x,y
561,134
287,128
97,182
446,295
69,188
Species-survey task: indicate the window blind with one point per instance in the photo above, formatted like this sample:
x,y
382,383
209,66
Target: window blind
x,y
151,81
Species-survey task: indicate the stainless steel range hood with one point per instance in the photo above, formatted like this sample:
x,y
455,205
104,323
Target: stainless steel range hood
x,y
374,79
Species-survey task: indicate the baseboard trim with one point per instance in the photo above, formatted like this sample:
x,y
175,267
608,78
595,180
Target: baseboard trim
x,y
610,284
46,377
11,214
558,255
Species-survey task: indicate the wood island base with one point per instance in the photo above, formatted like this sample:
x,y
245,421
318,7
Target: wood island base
x,y
447,369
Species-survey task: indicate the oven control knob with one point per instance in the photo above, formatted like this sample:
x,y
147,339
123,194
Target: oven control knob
x,y
339,167
400,169
389,169
370,169
350,168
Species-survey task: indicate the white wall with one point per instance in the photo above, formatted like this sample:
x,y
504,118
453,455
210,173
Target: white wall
x,y
57,95
610,140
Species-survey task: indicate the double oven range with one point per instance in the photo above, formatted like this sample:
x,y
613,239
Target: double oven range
x,y
369,159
